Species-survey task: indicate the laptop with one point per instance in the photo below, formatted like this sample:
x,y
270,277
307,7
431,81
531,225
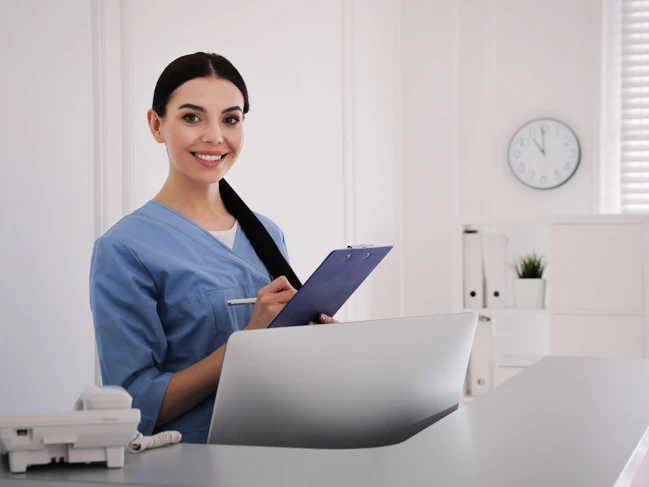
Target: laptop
x,y
345,385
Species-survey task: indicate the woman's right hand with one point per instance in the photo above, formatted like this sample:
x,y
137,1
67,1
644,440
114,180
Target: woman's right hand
x,y
270,301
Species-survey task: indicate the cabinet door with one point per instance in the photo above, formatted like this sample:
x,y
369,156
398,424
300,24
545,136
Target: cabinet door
x,y
597,267
597,335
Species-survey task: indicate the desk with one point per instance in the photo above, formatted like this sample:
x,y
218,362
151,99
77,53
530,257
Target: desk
x,y
562,422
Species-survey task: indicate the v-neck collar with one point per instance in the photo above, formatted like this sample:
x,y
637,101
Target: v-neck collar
x,y
227,235
206,239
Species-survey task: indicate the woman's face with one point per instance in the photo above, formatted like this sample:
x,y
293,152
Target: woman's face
x,y
202,129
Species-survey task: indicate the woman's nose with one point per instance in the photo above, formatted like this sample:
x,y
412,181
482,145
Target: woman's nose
x,y
213,134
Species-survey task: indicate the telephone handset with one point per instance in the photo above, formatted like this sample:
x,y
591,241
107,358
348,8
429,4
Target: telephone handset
x,y
98,429
104,397
114,398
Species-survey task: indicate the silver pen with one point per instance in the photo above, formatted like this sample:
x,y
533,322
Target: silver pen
x,y
237,302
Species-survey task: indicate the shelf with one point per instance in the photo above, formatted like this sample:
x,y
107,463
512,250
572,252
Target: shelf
x,y
519,361
548,220
543,311
599,312
548,311
513,221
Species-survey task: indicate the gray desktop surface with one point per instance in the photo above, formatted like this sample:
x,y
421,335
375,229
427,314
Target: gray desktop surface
x,y
562,422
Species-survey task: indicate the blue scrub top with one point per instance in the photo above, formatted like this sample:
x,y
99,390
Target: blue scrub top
x,y
159,285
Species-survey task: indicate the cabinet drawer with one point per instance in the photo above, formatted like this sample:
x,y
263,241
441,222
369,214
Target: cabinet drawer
x,y
597,267
597,335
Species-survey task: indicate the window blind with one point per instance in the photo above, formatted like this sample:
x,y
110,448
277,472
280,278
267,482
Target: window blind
x,y
634,109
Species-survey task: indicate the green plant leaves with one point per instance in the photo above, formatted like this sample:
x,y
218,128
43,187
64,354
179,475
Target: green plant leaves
x,y
530,266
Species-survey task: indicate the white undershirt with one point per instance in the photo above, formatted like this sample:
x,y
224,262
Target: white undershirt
x,y
227,236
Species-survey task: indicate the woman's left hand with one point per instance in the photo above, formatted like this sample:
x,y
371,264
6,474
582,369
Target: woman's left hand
x,y
324,319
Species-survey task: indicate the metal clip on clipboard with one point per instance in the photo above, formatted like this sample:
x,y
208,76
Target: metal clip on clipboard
x,y
361,246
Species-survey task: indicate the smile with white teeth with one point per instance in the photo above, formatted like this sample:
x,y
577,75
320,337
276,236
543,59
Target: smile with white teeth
x,y
209,158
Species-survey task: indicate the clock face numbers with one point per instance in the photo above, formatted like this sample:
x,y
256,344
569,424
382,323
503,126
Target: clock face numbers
x,y
544,153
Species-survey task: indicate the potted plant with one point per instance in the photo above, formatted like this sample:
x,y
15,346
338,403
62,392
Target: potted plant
x,y
529,288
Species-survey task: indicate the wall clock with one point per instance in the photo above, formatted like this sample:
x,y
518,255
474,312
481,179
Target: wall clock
x,y
544,153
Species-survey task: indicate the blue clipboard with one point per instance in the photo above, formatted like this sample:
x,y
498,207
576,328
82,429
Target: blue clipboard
x,y
331,285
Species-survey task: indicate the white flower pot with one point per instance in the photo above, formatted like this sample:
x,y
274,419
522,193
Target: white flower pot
x,y
529,293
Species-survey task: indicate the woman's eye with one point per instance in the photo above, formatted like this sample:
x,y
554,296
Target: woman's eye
x,y
191,118
232,120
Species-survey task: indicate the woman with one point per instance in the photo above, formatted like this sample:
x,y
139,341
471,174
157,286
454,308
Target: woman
x,y
160,278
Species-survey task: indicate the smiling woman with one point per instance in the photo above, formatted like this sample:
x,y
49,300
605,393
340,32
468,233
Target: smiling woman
x,y
161,278
202,122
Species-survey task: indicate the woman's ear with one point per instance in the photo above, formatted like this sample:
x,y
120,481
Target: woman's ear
x,y
155,125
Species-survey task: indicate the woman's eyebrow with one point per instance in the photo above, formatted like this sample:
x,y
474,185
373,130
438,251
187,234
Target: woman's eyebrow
x,y
191,106
232,109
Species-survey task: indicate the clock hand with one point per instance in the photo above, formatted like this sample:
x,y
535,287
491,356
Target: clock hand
x,y
537,145
543,140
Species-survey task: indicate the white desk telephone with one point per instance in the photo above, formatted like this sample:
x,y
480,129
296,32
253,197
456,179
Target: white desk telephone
x,y
100,427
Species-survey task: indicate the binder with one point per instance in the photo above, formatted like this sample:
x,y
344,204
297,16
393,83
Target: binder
x,y
493,249
481,360
473,271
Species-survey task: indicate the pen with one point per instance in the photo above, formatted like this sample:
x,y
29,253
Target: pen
x,y
236,302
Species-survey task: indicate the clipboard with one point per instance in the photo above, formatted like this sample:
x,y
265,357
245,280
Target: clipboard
x,y
331,285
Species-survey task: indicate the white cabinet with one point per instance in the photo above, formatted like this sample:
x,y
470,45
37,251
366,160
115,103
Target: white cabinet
x,y
598,291
599,302
512,366
598,267
597,335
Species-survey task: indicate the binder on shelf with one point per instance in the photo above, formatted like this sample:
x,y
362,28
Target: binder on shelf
x,y
481,360
473,270
493,249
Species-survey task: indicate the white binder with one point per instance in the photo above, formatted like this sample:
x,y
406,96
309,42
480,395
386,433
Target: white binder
x,y
481,361
493,248
473,271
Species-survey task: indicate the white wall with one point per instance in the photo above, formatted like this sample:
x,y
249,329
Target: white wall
x,y
371,97
429,161
46,204
473,71
516,65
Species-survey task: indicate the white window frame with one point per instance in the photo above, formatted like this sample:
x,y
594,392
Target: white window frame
x,y
608,167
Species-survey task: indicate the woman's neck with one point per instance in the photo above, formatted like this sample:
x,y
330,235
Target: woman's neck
x,y
201,203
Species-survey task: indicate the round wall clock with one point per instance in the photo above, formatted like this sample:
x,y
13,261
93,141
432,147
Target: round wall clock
x,y
544,153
